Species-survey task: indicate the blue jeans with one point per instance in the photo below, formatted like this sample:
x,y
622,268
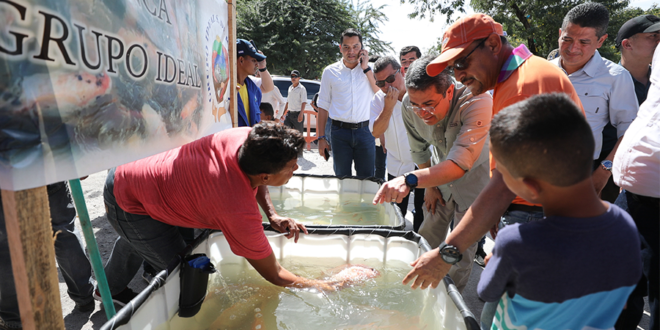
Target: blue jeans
x,y
140,238
69,253
509,217
645,213
353,145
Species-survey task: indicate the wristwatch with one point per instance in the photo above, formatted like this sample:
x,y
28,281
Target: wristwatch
x,y
606,165
367,69
263,69
449,253
411,180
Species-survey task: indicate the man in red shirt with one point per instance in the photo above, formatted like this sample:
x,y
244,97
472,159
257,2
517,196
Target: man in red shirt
x,y
214,182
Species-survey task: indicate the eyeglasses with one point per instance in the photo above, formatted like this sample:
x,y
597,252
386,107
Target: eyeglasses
x,y
390,79
460,63
421,111
294,77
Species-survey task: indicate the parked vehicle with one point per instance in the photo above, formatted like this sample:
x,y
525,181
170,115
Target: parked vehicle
x,y
312,87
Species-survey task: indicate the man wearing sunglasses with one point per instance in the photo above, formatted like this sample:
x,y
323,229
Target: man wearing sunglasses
x,y
386,120
447,131
482,59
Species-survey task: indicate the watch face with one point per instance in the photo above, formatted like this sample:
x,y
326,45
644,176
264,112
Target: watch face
x,y
450,254
411,180
607,164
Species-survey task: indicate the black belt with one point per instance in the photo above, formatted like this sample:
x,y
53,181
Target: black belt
x,y
524,208
646,200
350,125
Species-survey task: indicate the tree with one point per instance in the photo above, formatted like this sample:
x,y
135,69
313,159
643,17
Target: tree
x,y
368,19
298,35
304,35
533,22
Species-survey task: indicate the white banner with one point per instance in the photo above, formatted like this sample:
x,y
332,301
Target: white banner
x,y
86,85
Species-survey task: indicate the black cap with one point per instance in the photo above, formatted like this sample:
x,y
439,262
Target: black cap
x,y
244,47
295,73
639,24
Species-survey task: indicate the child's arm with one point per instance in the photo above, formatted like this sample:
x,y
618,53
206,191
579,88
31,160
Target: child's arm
x,y
499,275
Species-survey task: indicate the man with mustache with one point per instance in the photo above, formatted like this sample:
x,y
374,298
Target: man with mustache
x,y
476,49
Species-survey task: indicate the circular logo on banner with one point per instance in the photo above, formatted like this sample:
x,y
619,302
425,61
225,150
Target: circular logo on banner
x,y
217,65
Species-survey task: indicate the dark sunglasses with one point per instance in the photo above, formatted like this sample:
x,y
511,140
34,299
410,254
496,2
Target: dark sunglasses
x,y
294,77
460,63
390,79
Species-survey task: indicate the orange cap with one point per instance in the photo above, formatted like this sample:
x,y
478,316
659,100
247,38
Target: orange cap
x,y
460,35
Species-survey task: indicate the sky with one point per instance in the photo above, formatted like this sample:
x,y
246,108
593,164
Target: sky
x,y
402,31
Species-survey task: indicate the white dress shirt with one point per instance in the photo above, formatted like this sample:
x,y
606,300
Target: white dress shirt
x,y
297,95
345,93
275,99
399,160
636,165
607,93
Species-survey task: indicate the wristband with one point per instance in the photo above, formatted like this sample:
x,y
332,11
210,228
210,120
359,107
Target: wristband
x,y
321,137
367,69
262,70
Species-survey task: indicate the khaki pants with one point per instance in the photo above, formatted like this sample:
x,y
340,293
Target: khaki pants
x,y
434,229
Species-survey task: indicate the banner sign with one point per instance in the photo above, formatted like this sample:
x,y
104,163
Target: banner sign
x,y
86,85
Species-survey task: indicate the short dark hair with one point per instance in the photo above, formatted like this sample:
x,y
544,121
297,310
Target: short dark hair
x,y
384,61
373,58
268,148
350,32
408,49
589,14
418,79
267,109
544,137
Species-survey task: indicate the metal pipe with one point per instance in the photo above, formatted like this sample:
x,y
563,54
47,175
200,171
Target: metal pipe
x,y
92,248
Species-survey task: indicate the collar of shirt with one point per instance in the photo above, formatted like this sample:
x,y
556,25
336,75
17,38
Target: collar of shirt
x,y
592,68
516,59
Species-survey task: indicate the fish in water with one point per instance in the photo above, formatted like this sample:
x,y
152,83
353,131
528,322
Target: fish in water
x,y
348,275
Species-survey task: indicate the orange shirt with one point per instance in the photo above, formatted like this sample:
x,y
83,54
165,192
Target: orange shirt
x,y
534,76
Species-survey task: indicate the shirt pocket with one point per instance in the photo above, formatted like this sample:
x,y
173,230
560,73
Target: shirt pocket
x,y
595,101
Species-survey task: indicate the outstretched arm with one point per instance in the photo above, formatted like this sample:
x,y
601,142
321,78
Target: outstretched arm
x,y
279,223
429,269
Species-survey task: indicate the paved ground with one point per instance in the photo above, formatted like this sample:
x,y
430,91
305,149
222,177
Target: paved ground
x,y
311,163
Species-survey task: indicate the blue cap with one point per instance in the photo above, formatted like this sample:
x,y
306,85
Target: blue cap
x,y
244,47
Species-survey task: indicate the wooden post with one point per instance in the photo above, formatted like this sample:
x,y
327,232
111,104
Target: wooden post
x,y
30,237
233,110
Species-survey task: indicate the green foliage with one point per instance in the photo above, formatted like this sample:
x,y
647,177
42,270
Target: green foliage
x,y
304,35
535,23
429,8
367,19
298,35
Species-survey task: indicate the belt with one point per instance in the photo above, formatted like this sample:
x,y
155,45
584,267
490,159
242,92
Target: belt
x,y
524,208
350,125
646,200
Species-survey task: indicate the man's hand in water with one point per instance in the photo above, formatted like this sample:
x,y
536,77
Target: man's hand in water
x,y
284,224
429,269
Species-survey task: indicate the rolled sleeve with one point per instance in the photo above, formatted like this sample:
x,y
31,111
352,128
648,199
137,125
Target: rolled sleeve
x,y
419,148
377,105
623,107
325,92
473,135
